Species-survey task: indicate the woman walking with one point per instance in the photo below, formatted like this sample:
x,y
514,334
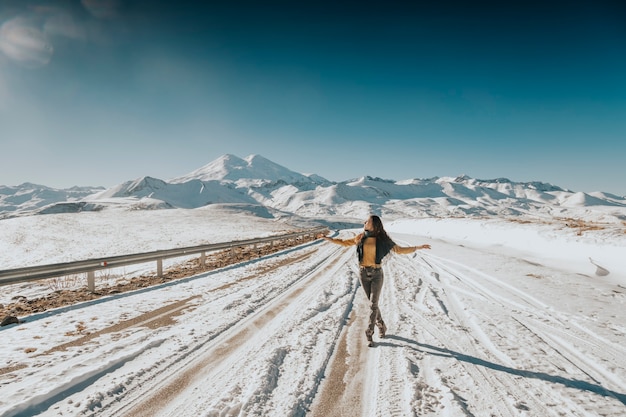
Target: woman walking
x,y
373,244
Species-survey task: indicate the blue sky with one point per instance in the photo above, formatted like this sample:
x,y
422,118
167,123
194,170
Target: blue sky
x,y
97,92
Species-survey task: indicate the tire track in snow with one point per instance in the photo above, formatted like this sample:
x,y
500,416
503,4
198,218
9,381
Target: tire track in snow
x,y
434,390
397,376
341,391
153,319
601,380
528,311
542,321
113,392
212,370
477,342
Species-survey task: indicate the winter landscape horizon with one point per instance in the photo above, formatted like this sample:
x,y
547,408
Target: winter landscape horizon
x,y
492,132
517,310
229,178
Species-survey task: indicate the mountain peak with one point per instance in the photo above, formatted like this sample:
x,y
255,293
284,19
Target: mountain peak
x,y
257,159
231,168
217,170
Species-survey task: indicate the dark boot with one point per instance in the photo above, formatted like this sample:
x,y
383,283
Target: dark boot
x,y
369,333
382,329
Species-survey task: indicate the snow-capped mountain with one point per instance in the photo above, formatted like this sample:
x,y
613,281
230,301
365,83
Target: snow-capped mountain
x,y
253,170
256,180
153,193
27,197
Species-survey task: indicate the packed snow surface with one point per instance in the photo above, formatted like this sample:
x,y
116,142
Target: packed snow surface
x,y
499,318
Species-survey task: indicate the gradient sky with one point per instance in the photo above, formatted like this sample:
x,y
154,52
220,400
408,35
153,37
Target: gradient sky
x,y
98,92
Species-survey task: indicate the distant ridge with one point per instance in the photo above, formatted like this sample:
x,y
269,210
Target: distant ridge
x,y
29,197
255,180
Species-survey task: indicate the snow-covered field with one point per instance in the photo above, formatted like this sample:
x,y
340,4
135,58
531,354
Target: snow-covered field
x,y
499,318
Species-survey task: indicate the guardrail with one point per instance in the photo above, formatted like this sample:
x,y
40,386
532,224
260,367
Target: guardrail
x,y
89,266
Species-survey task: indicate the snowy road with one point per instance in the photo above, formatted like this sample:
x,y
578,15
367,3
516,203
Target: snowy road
x,y
471,333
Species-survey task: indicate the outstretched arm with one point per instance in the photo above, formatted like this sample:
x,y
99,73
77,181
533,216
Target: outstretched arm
x,y
409,249
342,242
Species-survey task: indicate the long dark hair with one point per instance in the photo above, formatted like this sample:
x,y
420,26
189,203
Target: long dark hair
x,y
379,230
380,234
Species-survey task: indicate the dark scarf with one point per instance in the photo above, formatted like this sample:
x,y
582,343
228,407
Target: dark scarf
x,y
383,247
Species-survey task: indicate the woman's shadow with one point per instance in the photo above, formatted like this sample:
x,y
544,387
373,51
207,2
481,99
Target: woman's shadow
x,y
447,353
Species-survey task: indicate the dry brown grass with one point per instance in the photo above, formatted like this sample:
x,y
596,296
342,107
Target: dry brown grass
x,y
521,221
582,226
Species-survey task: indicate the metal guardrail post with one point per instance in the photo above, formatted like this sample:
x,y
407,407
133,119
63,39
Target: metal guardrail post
x,y
159,267
91,281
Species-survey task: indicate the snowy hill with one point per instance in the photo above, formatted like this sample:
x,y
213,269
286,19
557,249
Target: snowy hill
x,y
148,192
257,180
28,197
